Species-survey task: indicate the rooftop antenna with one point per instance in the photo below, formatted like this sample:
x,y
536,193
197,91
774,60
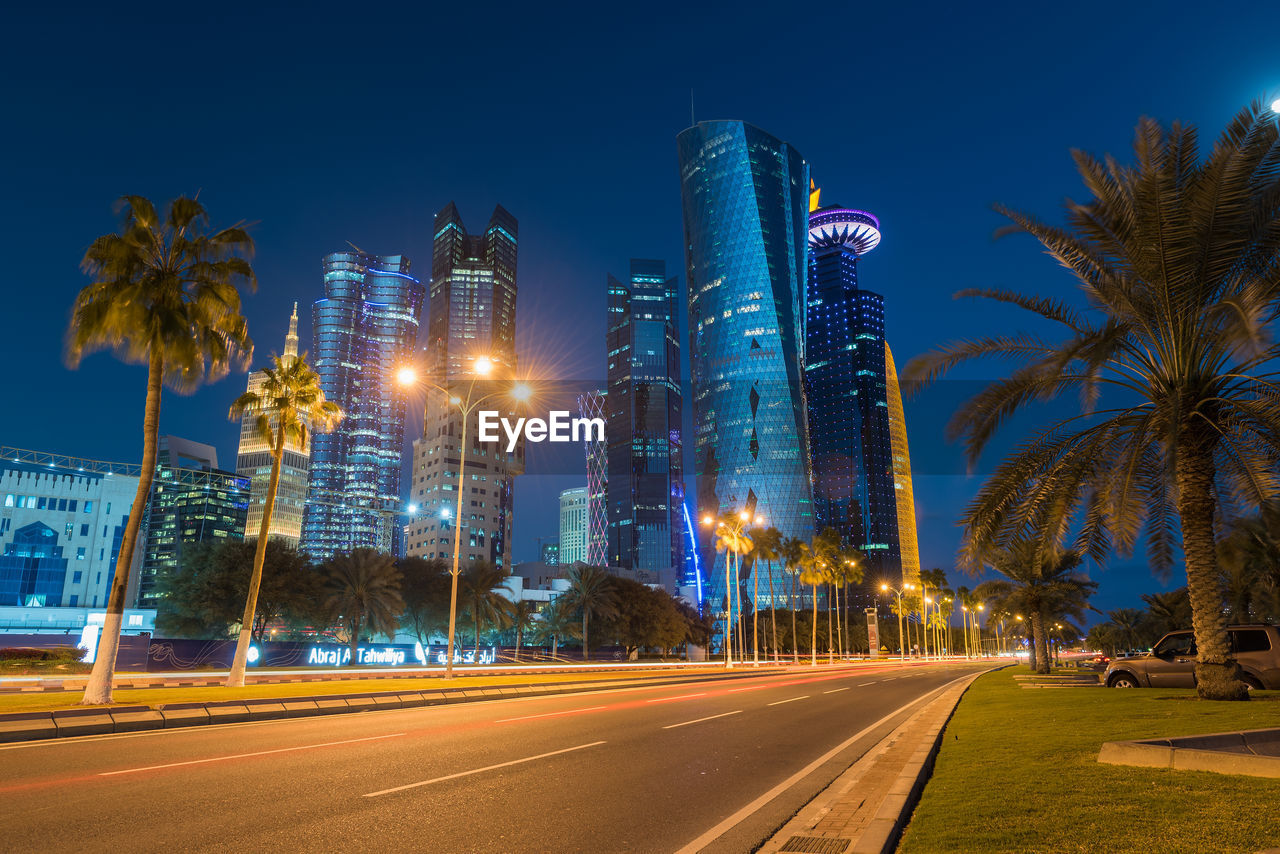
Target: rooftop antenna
x,y
357,248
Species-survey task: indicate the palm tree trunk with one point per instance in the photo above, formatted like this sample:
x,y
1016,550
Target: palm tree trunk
x,y
235,679
517,643
813,643
795,640
355,640
1041,663
773,613
1217,674
585,615
831,650
755,613
97,689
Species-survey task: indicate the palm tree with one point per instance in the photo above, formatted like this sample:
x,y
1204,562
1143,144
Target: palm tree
x,y
768,545
1042,583
592,594
520,614
164,294
813,571
732,540
930,579
478,586
1167,612
1179,262
288,399
557,620
792,552
364,593
1130,626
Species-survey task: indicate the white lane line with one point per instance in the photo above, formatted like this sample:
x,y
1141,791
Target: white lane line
x,y
792,700
482,770
700,720
751,688
865,684
246,755
750,809
838,690
550,714
681,697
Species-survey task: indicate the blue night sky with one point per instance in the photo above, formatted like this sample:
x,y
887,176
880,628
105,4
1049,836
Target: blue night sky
x,y
355,123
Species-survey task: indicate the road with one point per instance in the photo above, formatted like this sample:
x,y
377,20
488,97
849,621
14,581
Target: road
x,y
636,769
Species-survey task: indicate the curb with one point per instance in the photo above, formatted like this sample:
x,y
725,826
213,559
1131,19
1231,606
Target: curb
x,y
66,723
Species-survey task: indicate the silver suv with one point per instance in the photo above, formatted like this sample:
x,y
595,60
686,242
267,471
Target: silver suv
x,y
1172,661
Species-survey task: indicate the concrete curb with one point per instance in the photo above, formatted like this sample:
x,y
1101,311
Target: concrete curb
x,y
1251,753
65,723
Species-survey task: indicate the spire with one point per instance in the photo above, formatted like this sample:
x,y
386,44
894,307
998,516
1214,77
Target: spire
x,y
291,340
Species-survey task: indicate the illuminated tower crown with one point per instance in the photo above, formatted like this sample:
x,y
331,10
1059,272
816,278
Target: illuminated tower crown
x,y
837,227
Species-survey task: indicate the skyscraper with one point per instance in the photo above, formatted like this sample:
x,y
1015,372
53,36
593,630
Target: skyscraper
x,y
592,405
472,314
573,526
192,501
643,423
907,540
363,329
745,200
849,437
254,462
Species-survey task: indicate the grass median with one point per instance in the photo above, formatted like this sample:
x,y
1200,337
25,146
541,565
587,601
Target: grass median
x,y
40,702
1018,771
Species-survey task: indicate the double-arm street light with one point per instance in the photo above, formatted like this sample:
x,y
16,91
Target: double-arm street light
x,y
902,641
731,528
466,404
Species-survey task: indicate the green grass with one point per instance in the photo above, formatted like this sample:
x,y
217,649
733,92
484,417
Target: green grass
x,y
39,702
1018,771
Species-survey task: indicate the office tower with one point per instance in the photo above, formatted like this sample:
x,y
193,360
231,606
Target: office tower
x,y
908,544
550,553
192,501
472,315
254,462
643,423
849,433
592,405
363,330
573,526
745,199
62,520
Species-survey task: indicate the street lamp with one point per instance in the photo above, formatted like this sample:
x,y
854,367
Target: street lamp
x,y
902,641
1275,106
481,367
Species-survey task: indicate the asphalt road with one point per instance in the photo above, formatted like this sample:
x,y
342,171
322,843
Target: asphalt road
x,y
637,769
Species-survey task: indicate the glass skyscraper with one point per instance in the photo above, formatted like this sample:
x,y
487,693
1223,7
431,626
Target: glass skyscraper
x,y
472,314
745,199
363,330
645,485
850,445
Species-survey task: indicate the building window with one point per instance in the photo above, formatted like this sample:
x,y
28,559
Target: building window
x,y
76,576
80,553
75,600
88,507
84,530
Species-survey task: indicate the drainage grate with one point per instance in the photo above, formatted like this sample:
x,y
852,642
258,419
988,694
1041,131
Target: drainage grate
x,y
815,845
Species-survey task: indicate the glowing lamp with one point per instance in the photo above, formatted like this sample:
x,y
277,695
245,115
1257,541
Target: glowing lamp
x,y
484,366
521,392
406,376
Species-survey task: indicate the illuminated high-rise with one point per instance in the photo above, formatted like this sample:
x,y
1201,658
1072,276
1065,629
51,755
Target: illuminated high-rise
x,y
472,314
363,330
643,423
254,462
745,200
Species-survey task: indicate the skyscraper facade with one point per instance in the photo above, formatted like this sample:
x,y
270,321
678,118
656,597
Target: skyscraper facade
x,y
254,462
192,501
363,329
745,200
643,422
592,405
472,315
573,526
909,545
849,438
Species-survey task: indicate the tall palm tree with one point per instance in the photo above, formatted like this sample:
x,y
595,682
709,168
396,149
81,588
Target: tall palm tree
x,y
364,593
792,552
591,593
288,400
556,621
813,571
1042,583
478,587
733,541
768,549
164,294
521,615
1131,627
1174,360
930,579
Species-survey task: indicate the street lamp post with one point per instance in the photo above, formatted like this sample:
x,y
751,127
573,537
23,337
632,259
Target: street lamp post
x,y
481,368
902,641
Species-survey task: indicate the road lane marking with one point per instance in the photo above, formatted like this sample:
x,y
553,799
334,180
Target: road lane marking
x,y
550,714
700,720
750,809
865,684
792,700
846,688
682,697
246,755
750,688
482,770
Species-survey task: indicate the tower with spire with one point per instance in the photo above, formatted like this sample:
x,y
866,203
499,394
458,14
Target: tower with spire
x,y
254,462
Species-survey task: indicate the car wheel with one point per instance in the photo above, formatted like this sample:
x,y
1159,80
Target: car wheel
x,y
1123,680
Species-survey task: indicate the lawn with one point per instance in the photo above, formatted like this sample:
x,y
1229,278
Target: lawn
x,y
1018,771
39,702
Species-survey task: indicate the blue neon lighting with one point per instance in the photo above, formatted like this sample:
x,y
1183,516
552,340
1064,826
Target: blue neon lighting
x,y
693,550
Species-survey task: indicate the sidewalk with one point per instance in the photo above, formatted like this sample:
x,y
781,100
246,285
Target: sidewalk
x,y
867,807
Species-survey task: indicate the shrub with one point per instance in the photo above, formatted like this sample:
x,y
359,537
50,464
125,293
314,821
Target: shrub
x,y
54,655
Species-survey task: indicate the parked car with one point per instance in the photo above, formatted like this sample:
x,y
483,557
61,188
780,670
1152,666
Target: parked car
x,y
1172,661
